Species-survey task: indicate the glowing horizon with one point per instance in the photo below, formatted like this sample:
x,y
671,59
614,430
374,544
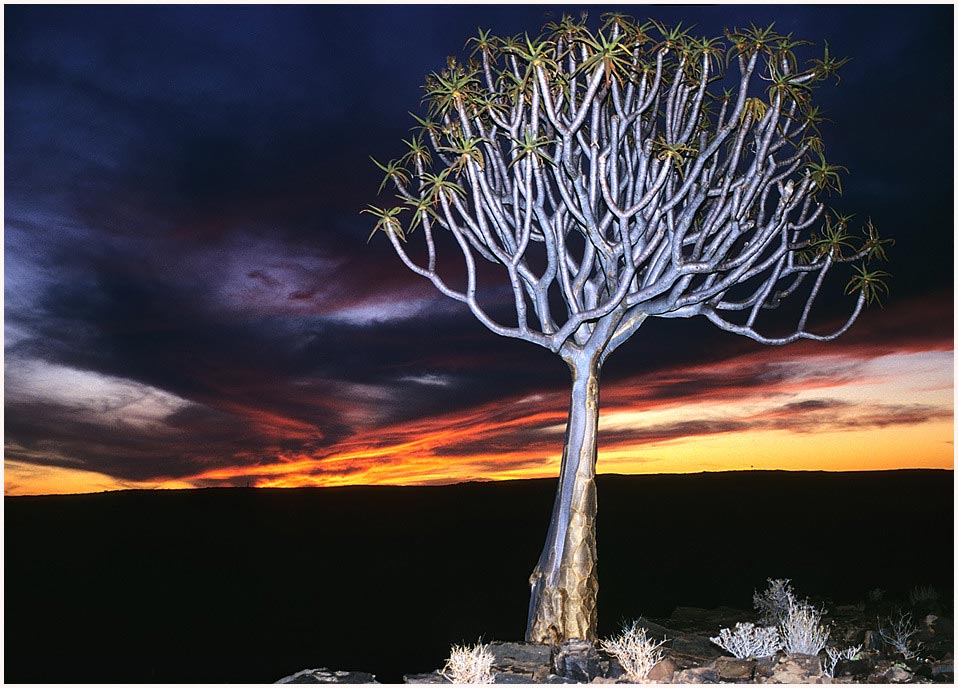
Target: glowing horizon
x,y
812,411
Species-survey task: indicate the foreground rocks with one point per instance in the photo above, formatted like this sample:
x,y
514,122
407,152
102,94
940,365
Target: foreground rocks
x,y
327,676
690,658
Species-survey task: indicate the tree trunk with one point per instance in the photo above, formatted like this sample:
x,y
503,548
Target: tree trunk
x,y
564,582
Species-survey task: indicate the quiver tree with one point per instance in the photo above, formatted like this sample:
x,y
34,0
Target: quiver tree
x,y
611,177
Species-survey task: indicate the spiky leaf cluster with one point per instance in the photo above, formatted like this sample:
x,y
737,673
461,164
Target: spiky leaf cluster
x,y
650,170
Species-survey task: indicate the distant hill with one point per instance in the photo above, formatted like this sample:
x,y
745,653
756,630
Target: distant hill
x,y
249,585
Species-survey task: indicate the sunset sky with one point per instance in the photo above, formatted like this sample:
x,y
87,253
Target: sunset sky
x,y
190,299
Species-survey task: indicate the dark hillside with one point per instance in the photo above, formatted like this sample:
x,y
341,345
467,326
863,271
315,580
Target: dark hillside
x,y
234,585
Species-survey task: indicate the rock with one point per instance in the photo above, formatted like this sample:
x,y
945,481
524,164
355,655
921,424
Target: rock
x,y
706,674
897,674
872,640
797,668
764,666
688,614
695,646
734,670
696,619
943,626
854,668
662,671
887,671
552,678
511,678
611,668
925,631
578,660
654,630
945,667
943,672
432,677
683,661
324,675
922,670
529,659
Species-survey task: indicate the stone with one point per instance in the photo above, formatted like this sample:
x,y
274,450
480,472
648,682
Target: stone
x,y
853,668
943,626
735,670
943,669
706,674
324,675
879,669
897,674
662,671
432,677
872,640
943,672
695,646
522,679
578,660
697,619
542,674
795,668
611,668
654,630
531,659
683,661
552,678
764,666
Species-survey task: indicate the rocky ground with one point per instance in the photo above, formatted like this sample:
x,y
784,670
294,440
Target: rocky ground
x,y
690,657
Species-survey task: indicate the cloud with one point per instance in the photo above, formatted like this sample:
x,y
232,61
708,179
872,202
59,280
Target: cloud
x,y
97,398
330,398
811,416
428,379
188,286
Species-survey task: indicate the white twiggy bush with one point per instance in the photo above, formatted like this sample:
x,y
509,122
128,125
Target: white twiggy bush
x,y
834,655
922,594
749,640
772,604
898,635
469,664
801,630
635,651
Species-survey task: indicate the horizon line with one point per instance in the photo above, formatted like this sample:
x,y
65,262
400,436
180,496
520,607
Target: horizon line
x,y
472,481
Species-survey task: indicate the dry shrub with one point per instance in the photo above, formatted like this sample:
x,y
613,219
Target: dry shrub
x,y
635,651
469,664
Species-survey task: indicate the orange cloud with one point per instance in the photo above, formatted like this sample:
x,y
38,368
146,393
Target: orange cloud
x,y
767,410
760,411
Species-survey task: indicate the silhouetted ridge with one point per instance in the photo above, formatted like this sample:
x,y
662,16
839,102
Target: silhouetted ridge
x,y
249,585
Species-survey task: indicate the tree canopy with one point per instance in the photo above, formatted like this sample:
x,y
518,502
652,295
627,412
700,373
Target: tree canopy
x,y
637,169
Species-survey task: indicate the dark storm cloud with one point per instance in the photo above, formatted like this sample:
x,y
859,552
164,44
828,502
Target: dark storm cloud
x,y
182,196
184,120
58,435
255,384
